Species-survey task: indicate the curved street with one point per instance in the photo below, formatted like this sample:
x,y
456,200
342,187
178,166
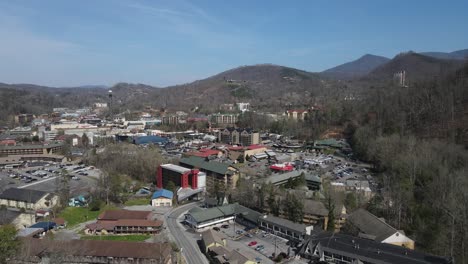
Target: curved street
x,y
189,247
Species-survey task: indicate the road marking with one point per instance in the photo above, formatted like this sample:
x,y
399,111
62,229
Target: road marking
x,y
34,183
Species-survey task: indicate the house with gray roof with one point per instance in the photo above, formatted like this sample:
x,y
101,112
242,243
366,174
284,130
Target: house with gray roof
x,y
16,218
199,218
284,228
339,248
28,199
364,224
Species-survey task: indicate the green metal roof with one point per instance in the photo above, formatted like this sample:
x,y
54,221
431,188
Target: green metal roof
x,y
213,166
212,213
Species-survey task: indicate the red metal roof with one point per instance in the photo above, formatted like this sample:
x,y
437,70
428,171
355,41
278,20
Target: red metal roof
x,y
236,148
282,167
123,214
255,147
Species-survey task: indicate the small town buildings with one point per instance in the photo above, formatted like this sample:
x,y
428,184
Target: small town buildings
x,y
16,218
313,182
364,224
206,153
243,107
60,222
24,118
28,199
239,136
93,251
284,228
339,248
216,172
124,222
297,114
150,140
247,217
224,119
210,239
27,149
256,151
18,160
199,218
162,197
180,176
279,179
315,213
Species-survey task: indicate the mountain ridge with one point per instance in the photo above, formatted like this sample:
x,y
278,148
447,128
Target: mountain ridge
x,y
417,67
356,68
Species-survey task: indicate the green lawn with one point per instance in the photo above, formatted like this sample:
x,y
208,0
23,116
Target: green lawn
x,y
138,201
76,215
133,238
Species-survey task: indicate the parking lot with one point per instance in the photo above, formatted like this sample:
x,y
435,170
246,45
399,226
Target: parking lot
x,y
44,176
254,243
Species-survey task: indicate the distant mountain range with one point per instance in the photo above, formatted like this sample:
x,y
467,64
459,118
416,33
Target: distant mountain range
x,y
367,63
416,66
356,68
456,55
266,86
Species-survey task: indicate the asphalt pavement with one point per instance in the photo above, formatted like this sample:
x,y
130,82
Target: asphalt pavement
x,y
189,248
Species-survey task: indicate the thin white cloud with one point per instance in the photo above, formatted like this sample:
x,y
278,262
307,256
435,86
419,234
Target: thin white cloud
x,y
155,10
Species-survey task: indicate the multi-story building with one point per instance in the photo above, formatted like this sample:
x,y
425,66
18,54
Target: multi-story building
x,y
28,199
227,107
170,120
216,172
23,118
243,106
227,119
239,136
297,114
51,148
180,176
49,135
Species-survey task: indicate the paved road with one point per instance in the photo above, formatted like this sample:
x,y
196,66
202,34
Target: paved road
x,y
190,250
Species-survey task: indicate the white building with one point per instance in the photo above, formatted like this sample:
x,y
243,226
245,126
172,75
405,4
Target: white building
x,y
49,135
243,106
162,197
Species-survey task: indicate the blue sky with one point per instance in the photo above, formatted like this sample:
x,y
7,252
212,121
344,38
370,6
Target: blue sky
x,y
69,43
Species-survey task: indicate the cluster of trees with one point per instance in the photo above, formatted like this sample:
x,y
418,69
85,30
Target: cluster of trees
x,y
268,198
122,165
139,163
9,244
424,187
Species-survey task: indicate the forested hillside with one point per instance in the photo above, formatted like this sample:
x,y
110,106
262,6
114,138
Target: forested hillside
x,y
416,137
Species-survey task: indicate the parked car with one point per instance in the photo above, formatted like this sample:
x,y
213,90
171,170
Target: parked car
x,y
216,228
260,247
225,226
253,243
